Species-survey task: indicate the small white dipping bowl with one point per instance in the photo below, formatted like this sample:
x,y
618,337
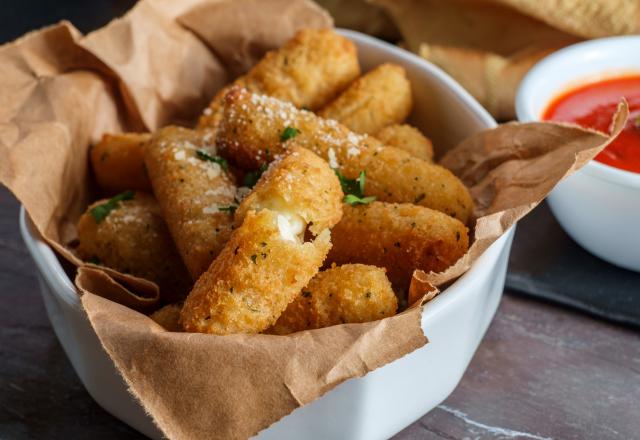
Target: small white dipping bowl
x,y
599,206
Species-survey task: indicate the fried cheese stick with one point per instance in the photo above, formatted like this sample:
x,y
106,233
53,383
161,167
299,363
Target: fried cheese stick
x,y
345,294
407,138
128,234
379,98
308,71
256,128
267,262
168,317
195,193
399,237
118,162
289,187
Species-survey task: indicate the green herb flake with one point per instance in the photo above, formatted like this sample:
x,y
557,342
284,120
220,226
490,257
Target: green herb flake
x,y
289,133
636,122
254,257
306,293
101,211
354,189
94,260
352,200
228,208
252,177
203,155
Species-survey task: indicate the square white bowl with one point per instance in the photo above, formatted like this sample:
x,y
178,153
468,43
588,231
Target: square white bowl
x,y
386,400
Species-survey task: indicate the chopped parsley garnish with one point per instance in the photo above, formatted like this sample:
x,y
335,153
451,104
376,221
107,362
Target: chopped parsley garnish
x,y
636,122
252,177
203,155
101,212
289,133
354,189
229,208
351,199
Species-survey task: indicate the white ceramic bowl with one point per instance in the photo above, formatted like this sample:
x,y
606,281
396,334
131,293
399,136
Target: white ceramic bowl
x,y
386,400
599,206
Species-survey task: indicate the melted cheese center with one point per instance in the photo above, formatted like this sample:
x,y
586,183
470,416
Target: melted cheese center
x,y
291,226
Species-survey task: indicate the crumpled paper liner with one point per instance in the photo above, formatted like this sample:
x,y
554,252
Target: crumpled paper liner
x,y
489,45
198,386
509,170
160,64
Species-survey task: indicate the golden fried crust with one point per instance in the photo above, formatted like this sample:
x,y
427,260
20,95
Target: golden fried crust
x,y
308,71
373,101
407,138
255,277
400,237
134,239
251,130
168,317
346,294
118,162
191,191
301,183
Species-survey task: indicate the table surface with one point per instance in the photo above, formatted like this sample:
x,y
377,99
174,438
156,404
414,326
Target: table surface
x,y
541,372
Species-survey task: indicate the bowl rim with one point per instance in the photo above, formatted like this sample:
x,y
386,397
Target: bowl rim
x,y
546,66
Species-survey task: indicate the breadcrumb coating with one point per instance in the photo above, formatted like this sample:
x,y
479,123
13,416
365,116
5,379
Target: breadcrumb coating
x,y
407,138
346,294
379,98
255,277
400,237
194,191
118,162
251,133
308,71
300,183
133,238
168,317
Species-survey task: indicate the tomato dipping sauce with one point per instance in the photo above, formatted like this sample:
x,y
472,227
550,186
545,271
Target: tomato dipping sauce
x,y
593,106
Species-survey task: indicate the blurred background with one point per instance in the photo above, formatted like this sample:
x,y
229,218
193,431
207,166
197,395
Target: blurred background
x,y
486,45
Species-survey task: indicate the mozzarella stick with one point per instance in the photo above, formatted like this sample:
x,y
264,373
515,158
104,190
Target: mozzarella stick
x,y
127,233
118,162
399,237
290,187
168,317
346,294
308,71
267,262
407,138
256,128
377,99
258,273
195,193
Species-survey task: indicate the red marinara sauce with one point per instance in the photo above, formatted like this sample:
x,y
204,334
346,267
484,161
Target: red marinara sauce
x,y
593,106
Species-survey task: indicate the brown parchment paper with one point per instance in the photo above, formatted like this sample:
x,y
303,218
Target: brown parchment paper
x,y
489,45
160,64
